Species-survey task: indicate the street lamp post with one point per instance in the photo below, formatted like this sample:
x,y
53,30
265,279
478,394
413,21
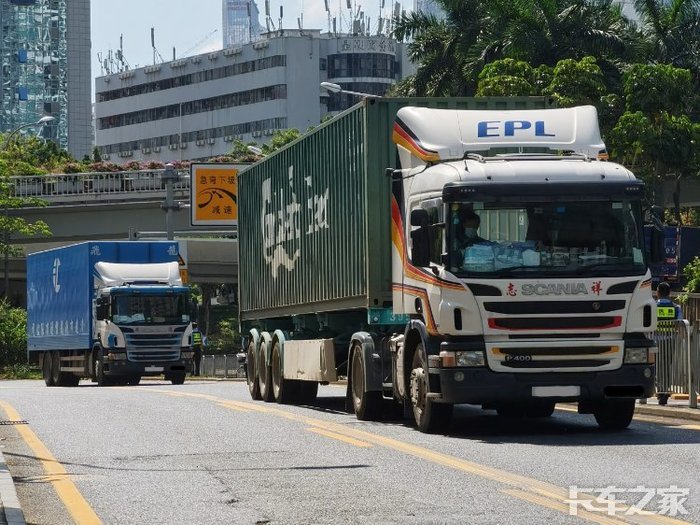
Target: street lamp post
x,y
337,88
169,177
41,122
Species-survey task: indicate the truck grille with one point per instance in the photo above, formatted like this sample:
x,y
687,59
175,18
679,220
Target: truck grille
x,y
152,347
547,356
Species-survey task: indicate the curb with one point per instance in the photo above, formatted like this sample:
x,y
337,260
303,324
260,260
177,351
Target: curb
x,y
668,411
10,509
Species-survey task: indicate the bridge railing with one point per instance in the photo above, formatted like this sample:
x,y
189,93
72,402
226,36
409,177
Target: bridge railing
x,y
56,188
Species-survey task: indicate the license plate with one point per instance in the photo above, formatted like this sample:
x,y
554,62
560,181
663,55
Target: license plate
x,y
153,369
556,391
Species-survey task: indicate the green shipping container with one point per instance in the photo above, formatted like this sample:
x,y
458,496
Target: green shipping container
x,y
315,217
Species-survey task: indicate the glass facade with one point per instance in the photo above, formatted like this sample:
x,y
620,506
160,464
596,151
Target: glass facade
x,y
38,40
34,58
241,22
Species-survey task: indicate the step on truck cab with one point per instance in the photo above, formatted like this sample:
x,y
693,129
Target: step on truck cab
x,y
500,262
109,311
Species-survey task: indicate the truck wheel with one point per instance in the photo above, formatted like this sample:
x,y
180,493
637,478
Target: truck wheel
x,y
99,377
46,369
429,416
264,373
615,415
134,380
285,391
251,368
367,405
178,379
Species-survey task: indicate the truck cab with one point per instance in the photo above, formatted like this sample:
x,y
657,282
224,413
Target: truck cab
x,y
142,322
550,299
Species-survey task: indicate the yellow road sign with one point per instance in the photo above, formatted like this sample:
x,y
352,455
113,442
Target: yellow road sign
x,y
213,195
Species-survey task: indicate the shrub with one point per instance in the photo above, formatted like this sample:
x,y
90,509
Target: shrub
x,y
13,335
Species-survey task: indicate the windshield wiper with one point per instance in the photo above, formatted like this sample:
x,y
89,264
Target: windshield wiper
x,y
617,266
502,272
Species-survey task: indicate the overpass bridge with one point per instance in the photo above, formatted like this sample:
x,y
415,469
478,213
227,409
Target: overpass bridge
x,y
117,206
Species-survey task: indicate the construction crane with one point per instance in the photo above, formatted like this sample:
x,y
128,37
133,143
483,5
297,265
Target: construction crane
x,y
200,42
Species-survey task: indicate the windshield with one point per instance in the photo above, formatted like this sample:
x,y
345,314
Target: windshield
x,y
150,309
496,239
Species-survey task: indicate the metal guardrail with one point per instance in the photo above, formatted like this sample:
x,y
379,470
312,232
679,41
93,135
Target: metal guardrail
x,y
225,366
97,186
678,360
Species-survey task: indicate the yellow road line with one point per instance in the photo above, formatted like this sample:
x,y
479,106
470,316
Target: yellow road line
x,y
602,519
74,502
539,489
686,427
340,437
645,418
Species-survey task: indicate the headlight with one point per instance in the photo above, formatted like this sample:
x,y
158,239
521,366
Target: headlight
x,y
187,355
637,356
465,358
116,356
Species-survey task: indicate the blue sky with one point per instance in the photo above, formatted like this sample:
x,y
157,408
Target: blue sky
x,y
188,25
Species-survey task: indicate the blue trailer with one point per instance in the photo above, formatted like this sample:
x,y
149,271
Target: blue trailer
x,y
111,311
681,244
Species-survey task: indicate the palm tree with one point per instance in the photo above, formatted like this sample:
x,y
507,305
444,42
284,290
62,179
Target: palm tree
x,y
671,29
452,52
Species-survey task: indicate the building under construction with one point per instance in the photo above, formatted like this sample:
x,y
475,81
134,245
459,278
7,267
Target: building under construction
x,y
45,49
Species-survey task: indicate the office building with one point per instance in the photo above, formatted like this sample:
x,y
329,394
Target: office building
x,y
45,49
193,108
241,22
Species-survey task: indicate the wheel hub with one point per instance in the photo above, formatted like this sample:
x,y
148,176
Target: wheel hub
x,y
418,387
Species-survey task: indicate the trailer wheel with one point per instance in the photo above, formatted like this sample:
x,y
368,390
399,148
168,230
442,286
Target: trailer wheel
x,y
615,415
264,373
428,415
367,405
251,368
46,371
285,391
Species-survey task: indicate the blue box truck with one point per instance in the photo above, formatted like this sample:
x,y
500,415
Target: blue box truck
x,y
110,311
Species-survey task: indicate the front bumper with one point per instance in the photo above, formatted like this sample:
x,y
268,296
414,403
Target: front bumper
x,y
483,386
145,368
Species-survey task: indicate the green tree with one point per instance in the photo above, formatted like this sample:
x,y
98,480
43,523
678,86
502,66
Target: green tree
x,y
576,83
280,138
13,335
671,32
505,78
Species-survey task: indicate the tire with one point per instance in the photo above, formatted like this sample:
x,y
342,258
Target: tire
x,y
61,378
429,416
178,379
615,415
308,391
99,375
133,380
284,391
264,376
367,405
46,369
251,368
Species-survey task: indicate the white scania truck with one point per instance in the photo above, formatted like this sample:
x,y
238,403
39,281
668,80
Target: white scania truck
x,y
355,264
